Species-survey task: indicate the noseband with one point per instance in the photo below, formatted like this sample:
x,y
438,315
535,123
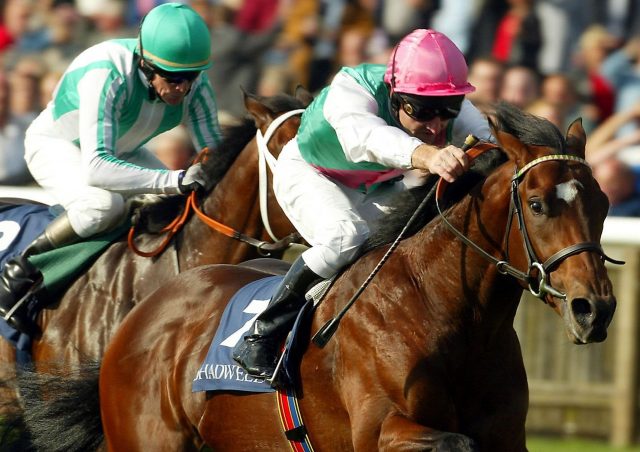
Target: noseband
x,y
537,276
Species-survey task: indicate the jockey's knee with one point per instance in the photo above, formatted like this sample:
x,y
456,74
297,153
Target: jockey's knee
x,y
337,247
97,213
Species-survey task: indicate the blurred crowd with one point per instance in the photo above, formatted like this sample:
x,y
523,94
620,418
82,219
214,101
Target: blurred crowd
x,y
559,59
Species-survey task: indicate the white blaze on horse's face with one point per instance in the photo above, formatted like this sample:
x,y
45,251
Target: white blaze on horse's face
x,y
568,191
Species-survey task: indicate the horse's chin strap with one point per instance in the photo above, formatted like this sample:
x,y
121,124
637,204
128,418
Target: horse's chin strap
x,y
537,276
265,157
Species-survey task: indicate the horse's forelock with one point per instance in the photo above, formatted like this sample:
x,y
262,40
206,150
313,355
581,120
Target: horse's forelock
x,y
530,129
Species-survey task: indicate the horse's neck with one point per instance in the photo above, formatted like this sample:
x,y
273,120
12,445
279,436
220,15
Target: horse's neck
x,y
232,203
482,216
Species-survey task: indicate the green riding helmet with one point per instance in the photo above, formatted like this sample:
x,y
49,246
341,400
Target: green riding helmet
x,y
174,38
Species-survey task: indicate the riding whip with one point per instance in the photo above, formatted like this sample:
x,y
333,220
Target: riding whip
x,y
325,333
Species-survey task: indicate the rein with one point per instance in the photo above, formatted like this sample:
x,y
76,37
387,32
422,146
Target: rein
x,y
265,157
539,286
264,248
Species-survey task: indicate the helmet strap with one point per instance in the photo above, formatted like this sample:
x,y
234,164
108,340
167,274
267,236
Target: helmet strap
x,y
146,70
394,107
149,75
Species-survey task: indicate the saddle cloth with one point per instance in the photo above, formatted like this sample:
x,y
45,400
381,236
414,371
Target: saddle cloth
x,y
19,226
220,372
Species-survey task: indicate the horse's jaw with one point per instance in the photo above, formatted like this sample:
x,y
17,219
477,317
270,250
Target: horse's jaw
x,y
586,320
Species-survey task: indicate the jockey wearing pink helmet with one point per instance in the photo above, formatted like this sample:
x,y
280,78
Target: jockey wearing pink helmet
x,y
356,142
427,75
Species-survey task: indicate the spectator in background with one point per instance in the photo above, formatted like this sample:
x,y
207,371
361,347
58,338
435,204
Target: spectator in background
x,y
15,22
454,18
25,85
518,37
616,161
399,17
562,22
621,69
106,19
594,46
48,84
173,148
520,86
559,92
13,168
551,112
621,183
486,74
240,45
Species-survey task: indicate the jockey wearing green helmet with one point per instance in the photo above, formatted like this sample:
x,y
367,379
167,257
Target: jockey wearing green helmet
x,y
87,148
174,38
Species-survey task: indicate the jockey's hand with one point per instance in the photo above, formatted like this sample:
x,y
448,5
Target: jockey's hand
x,y
449,162
193,179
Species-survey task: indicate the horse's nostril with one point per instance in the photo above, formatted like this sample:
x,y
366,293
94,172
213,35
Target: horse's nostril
x,y
583,312
581,307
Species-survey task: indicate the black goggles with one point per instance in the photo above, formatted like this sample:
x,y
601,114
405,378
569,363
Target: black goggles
x,y
175,78
428,108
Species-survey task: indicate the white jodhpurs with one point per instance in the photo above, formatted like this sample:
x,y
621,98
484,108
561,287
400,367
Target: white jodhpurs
x,y
56,165
333,218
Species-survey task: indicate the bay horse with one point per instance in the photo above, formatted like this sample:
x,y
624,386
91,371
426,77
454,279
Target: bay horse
x,y
427,357
81,323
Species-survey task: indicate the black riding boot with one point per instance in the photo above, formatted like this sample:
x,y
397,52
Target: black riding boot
x,y
258,353
19,276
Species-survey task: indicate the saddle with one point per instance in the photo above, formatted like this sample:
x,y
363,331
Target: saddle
x,y
219,372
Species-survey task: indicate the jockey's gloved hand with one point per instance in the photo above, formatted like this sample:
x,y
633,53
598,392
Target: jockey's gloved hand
x,y
193,179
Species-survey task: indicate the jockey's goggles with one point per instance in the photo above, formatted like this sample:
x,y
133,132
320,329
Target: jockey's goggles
x,y
426,108
174,78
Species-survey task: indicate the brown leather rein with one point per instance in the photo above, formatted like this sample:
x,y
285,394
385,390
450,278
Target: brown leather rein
x,y
537,276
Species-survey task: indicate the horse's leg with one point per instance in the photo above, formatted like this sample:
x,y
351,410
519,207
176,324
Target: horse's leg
x,y
135,403
8,395
400,433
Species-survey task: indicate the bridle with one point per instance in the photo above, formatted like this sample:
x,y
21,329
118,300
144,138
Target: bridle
x,y
266,158
537,275
264,248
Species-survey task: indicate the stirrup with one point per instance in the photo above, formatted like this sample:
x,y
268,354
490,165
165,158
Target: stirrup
x,y
276,382
25,325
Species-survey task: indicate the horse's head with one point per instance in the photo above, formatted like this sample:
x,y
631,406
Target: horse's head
x,y
265,110
560,210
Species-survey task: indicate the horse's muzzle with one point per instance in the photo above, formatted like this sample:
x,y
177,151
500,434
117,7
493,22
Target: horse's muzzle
x,y
590,318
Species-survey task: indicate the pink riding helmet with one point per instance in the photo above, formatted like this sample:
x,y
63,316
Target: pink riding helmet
x,y
427,63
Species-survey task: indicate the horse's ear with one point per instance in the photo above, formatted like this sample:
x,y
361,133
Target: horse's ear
x,y
576,138
515,149
262,115
303,95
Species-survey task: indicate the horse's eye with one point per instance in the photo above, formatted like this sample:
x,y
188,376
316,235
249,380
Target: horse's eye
x,y
536,206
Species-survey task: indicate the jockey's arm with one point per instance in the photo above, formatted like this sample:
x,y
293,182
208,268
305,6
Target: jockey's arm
x,y
363,135
98,116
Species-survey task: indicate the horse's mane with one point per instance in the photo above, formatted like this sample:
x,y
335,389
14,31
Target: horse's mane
x,y
153,216
530,129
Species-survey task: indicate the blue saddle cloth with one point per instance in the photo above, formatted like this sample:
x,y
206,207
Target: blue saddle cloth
x,y
19,226
219,371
